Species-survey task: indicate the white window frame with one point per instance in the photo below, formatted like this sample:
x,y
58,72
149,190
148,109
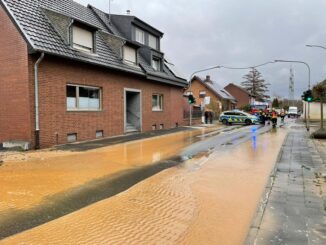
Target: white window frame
x,y
158,61
152,41
78,108
160,105
80,45
139,35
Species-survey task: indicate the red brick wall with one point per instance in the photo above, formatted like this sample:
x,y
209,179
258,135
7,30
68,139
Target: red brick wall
x,y
197,87
14,100
241,96
56,122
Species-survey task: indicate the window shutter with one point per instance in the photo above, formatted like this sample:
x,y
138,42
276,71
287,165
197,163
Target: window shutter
x,y
152,41
82,37
129,54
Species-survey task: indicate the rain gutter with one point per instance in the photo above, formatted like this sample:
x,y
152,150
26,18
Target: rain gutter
x,y
36,94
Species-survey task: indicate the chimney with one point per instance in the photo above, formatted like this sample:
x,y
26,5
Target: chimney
x,y
208,79
128,12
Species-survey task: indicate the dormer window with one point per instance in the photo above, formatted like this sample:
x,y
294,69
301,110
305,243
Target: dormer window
x,y
156,64
129,55
152,41
82,39
140,36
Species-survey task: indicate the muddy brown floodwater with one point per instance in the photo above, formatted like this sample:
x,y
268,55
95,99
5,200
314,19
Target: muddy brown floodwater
x,y
210,200
26,184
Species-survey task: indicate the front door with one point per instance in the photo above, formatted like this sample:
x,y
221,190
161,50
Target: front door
x,y
133,117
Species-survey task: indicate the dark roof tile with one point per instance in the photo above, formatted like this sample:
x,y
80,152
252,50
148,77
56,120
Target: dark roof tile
x,y
30,16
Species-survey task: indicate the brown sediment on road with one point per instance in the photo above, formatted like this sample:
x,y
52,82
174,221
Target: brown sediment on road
x,y
228,191
26,184
213,205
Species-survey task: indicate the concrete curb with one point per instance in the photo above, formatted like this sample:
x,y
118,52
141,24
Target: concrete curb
x,y
258,217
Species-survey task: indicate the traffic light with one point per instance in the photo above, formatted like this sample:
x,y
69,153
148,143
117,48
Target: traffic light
x,y
307,96
304,95
191,99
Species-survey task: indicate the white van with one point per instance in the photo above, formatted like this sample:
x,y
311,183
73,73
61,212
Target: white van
x,y
293,111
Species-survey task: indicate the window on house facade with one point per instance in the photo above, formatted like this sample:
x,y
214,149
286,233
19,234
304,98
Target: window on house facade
x,y
99,134
129,55
71,137
82,39
202,94
140,36
156,64
152,41
83,98
157,102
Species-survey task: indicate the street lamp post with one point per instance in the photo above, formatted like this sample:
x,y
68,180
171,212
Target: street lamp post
x,y
309,85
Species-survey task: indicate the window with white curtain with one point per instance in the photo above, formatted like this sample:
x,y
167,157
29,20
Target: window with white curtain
x,y
152,41
83,98
157,102
82,39
156,64
129,55
140,36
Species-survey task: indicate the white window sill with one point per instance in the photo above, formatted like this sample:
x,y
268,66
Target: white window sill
x,y
134,65
81,51
84,110
157,110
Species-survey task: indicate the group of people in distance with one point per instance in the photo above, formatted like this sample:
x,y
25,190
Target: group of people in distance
x,y
270,115
209,116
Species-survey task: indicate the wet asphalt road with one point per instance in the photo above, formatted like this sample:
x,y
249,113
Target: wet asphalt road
x,y
67,202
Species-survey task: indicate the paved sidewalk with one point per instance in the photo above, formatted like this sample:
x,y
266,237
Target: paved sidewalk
x,y
294,204
99,143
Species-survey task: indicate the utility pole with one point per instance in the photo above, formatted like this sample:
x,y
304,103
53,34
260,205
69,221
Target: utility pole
x,y
291,87
309,83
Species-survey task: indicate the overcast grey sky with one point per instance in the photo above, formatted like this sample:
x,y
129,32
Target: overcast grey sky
x,y
202,33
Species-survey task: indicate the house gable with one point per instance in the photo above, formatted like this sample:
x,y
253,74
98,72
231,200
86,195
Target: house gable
x,y
242,96
198,86
14,86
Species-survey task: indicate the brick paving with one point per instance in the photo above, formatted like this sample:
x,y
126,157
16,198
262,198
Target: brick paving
x,y
293,207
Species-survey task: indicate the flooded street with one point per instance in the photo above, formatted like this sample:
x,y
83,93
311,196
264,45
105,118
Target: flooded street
x,y
211,197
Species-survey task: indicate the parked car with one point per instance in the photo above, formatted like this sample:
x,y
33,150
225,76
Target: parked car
x,y
241,117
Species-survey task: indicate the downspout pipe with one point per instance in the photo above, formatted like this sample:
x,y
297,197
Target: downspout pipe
x,y
36,102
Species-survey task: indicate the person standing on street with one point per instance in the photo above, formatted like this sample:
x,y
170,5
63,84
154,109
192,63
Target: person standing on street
x,y
274,117
206,114
211,117
282,115
262,117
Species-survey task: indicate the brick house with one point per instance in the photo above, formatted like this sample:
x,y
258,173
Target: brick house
x,y
242,96
73,73
210,96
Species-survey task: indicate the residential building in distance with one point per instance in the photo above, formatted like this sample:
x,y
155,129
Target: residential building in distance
x,y
73,73
210,95
242,96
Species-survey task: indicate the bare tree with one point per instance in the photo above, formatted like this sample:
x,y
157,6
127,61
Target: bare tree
x,y
256,85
